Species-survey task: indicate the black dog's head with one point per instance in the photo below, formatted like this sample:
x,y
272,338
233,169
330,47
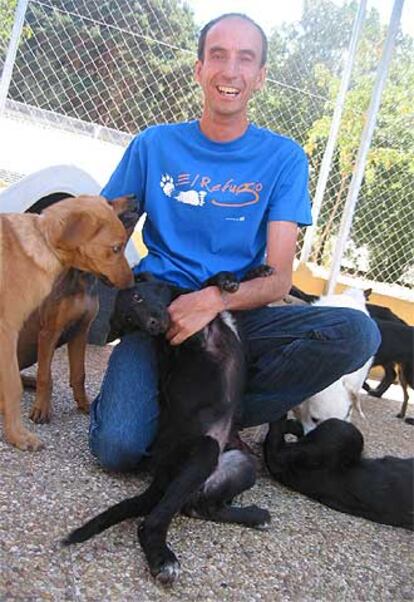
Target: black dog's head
x,y
143,307
333,443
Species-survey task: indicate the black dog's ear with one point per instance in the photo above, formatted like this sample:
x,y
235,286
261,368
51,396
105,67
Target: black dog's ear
x,y
128,211
367,293
144,277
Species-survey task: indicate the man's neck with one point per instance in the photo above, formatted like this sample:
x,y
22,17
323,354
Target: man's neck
x,y
223,130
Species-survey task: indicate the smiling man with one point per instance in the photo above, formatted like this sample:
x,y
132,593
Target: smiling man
x,y
220,193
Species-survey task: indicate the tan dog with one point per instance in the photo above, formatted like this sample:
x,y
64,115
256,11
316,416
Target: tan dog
x,y
64,317
82,232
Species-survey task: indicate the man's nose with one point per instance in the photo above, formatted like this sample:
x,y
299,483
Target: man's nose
x,y
231,68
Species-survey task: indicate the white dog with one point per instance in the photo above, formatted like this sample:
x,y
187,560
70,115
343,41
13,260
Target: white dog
x,y
337,400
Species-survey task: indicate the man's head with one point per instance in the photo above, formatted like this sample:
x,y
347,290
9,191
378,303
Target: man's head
x,y
232,52
210,24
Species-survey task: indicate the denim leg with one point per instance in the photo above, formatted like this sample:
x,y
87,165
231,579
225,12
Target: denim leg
x,y
124,415
295,351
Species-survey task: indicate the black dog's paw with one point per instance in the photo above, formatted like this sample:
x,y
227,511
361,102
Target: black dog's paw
x,y
262,271
167,573
260,518
225,281
162,561
294,427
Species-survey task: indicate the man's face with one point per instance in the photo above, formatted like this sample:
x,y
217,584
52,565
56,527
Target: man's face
x,y
230,72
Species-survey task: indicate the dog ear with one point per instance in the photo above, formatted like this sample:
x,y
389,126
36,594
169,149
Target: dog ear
x,y
367,293
124,204
76,229
144,277
127,210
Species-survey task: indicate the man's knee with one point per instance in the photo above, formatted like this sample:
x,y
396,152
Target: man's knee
x,y
119,452
363,333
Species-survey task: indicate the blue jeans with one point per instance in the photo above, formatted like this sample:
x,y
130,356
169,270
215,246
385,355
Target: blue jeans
x,y
292,353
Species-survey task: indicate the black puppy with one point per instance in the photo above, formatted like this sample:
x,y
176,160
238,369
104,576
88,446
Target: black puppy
x,y
201,385
327,465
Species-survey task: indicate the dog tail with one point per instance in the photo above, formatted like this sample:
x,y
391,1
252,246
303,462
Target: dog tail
x,y
129,508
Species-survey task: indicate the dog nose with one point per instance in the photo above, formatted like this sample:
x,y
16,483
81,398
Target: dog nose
x,y
154,325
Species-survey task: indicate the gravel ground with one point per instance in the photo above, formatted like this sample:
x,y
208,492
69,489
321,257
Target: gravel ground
x,y
309,553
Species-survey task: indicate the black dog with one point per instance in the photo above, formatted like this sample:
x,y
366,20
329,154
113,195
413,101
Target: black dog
x,y
201,385
327,465
396,355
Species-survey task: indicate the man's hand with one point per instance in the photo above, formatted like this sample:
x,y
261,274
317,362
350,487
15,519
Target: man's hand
x,y
189,313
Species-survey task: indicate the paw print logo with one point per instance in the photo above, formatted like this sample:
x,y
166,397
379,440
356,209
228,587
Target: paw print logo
x,y
167,184
189,197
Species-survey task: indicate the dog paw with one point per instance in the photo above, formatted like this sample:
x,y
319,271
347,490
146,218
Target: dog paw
x,y
225,281
24,440
162,561
262,518
261,271
40,415
83,405
264,525
167,573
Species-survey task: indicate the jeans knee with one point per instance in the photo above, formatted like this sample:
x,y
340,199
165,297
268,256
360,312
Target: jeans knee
x,y
116,452
364,333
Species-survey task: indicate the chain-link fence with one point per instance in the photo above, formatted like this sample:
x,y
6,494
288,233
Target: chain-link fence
x,y
111,68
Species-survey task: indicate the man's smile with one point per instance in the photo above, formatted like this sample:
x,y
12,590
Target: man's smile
x,y
228,91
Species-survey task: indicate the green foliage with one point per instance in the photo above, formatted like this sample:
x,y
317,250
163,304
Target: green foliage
x,y
116,64
7,10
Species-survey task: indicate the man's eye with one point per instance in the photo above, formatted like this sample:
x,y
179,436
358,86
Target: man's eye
x,y
117,248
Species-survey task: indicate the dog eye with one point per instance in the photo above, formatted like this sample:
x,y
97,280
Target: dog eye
x,y
117,248
137,298
314,420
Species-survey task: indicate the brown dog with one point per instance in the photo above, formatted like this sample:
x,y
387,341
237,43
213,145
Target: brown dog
x,y
84,233
64,317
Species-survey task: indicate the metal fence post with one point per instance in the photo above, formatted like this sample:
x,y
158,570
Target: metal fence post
x,y
12,51
366,138
333,133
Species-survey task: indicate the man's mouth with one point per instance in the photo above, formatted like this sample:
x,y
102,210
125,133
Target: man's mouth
x,y
228,91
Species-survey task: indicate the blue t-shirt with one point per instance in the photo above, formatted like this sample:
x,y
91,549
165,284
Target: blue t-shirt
x,y
208,203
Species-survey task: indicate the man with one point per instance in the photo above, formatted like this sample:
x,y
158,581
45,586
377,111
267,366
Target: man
x,y
220,194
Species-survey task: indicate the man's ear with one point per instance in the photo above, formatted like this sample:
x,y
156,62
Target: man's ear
x,y
197,70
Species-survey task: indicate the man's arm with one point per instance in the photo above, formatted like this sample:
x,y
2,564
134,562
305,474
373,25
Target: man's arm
x,y
191,312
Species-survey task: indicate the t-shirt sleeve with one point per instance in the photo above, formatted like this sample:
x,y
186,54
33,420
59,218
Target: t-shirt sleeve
x,y
128,177
290,200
